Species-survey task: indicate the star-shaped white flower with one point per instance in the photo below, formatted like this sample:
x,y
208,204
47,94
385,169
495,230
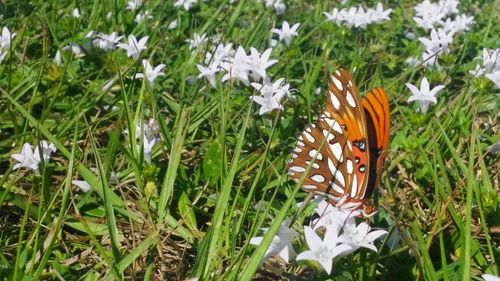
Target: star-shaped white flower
x,y
209,73
490,277
439,40
150,73
281,244
237,67
286,33
75,13
134,47
107,41
197,40
360,236
425,95
323,251
332,215
271,95
259,63
31,159
141,16
459,24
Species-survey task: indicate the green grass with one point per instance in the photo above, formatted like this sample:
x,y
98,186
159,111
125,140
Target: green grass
x,y
218,174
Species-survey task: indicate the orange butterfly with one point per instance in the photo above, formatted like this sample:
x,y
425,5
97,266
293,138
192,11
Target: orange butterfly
x,y
346,147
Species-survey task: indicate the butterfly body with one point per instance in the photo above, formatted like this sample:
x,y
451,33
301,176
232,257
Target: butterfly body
x,y
343,153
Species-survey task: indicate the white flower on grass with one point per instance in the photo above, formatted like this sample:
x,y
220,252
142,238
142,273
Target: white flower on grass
x,y
425,95
150,73
430,59
334,16
134,47
6,38
219,53
208,72
134,4
31,159
197,40
281,244
280,7
82,185
286,33
459,24
358,16
57,58
490,63
259,63
145,134
357,236
186,4
107,41
428,15
448,7
439,40
378,14
323,251
75,13
331,215
75,49
141,16
172,24
490,277
494,77
147,145
271,95
237,67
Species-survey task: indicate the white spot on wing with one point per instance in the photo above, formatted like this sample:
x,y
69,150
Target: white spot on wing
x,y
297,150
297,169
337,83
337,151
349,166
309,137
354,187
308,186
299,143
350,99
335,101
314,165
318,178
313,152
338,174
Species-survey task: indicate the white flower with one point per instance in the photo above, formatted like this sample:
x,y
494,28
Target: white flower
x,y
151,73
31,159
489,277
134,4
424,96
281,244
172,24
237,67
259,63
286,33
360,235
271,95
219,53
148,148
439,40
186,4
330,215
6,38
208,72
494,77
57,58
358,16
448,7
428,15
134,47
83,185
334,16
430,59
197,40
459,24
280,7
379,14
75,13
141,16
107,41
75,49
323,251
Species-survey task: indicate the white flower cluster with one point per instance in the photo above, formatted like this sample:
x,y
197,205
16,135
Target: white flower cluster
x,y
342,236
248,69
186,4
30,159
437,17
358,16
490,66
5,41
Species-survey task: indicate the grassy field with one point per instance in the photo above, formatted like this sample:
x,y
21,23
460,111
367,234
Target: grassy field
x,y
149,140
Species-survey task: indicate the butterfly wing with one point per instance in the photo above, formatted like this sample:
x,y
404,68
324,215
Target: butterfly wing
x,y
376,109
324,152
344,104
